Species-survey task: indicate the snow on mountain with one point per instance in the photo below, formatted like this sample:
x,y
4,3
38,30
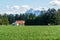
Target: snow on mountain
x,y
36,12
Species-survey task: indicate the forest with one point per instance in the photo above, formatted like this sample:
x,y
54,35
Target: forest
x,y
49,17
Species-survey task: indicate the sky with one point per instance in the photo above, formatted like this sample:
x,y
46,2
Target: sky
x,y
20,6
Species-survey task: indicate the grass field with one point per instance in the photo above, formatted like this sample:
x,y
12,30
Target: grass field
x,y
29,32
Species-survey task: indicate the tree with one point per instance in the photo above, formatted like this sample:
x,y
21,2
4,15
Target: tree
x,y
16,17
52,17
30,19
5,20
47,17
58,16
22,17
11,18
1,19
31,16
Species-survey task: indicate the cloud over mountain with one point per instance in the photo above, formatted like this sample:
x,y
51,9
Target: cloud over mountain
x,y
55,2
16,9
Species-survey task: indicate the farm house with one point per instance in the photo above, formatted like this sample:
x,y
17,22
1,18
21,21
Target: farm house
x,y
19,22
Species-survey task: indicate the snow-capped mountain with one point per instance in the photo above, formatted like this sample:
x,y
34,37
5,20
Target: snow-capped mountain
x,y
36,12
29,10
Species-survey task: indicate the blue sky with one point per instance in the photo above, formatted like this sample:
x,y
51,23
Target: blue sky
x,y
33,3
7,5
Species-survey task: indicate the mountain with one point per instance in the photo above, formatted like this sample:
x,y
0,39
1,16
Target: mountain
x,y
29,10
36,12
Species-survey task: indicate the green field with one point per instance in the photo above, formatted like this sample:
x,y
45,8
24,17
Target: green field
x,y
29,32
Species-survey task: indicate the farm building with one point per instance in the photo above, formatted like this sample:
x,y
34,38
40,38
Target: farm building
x,y
19,22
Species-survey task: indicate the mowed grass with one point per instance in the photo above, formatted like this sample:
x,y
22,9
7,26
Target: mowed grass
x,y
10,32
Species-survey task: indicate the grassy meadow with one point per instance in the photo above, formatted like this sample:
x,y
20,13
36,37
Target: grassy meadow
x,y
10,32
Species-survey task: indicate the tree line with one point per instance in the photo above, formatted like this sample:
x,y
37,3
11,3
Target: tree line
x,y
49,17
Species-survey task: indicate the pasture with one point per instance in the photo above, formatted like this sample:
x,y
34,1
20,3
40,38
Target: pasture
x,y
10,32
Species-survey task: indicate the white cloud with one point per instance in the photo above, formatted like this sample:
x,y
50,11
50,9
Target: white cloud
x,y
25,6
55,2
41,8
1,13
16,9
9,12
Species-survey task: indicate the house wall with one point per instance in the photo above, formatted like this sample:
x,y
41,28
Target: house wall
x,y
20,22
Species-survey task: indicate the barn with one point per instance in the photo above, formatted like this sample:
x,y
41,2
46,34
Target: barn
x,y
19,22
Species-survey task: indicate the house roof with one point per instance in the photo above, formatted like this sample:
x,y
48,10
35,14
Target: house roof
x,y
20,21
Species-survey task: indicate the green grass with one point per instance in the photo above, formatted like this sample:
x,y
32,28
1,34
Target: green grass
x,y
10,32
